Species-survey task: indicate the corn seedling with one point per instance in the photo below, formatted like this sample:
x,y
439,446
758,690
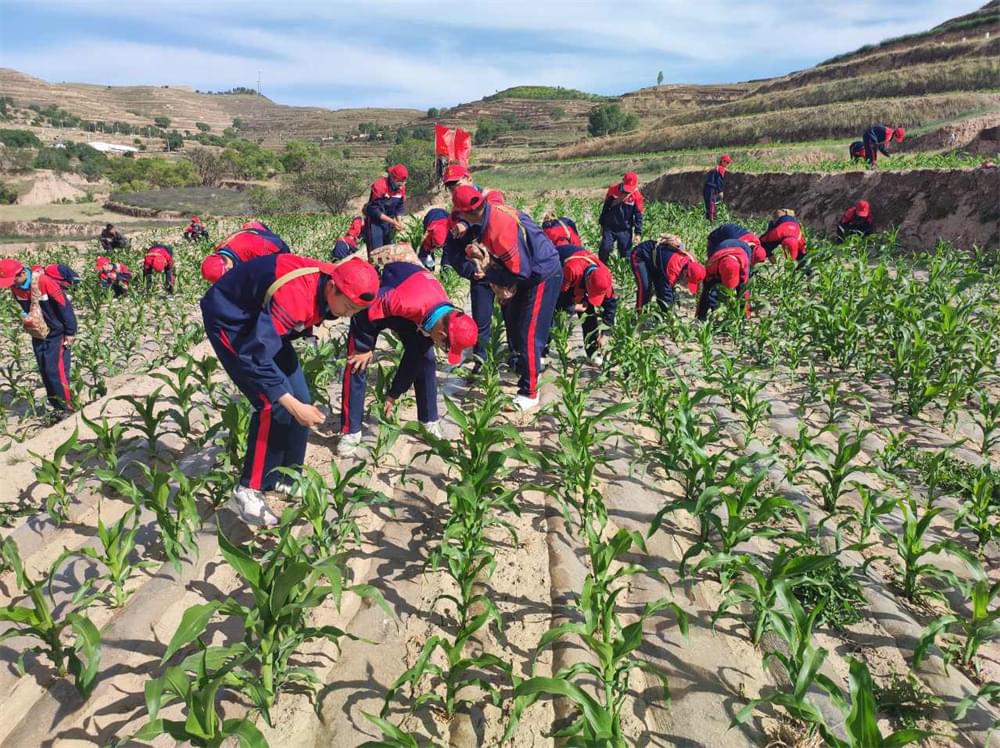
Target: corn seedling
x,y
964,634
832,475
61,479
978,511
151,416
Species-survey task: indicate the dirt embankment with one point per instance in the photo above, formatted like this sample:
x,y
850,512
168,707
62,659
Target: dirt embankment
x,y
962,207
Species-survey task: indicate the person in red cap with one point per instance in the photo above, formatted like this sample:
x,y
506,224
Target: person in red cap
x,y
113,276
159,259
715,185
785,231
659,266
413,304
587,286
385,206
347,243
522,266
251,316
621,216
876,138
856,220
254,239
436,224
857,150
52,352
195,230
561,231
729,263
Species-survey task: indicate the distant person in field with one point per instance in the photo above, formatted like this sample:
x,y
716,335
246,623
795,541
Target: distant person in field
x,y
384,209
159,259
254,239
413,304
561,230
195,230
621,216
729,263
523,267
587,286
786,232
659,265
876,138
857,150
251,316
856,221
112,238
715,185
52,328
115,276
436,222
347,243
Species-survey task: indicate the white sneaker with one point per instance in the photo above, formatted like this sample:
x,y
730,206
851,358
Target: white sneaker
x,y
434,427
543,362
292,491
250,506
525,403
597,360
349,445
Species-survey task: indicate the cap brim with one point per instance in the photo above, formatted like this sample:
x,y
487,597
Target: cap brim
x,y
6,282
454,356
597,299
693,287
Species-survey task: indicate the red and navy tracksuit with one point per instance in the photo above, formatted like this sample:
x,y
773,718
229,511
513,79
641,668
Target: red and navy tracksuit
x,y
386,199
253,343
857,150
436,224
247,244
620,216
785,232
167,253
51,353
408,298
715,184
344,247
874,140
562,231
852,223
656,268
523,256
729,263
118,284
195,231
577,262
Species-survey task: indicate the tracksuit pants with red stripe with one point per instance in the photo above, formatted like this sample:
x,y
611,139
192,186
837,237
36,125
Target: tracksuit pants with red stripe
x,y
53,359
528,316
417,369
378,234
276,439
710,207
650,280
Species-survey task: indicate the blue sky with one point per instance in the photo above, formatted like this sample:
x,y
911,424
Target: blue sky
x,y
344,53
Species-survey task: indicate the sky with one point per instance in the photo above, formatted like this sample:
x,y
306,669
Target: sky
x,y
438,53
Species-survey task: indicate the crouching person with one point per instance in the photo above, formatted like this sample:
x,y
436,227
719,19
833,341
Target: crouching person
x,y
159,259
729,264
436,225
412,303
52,326
251,316
254,239
856,221
659,266
347,243
587,286
113,276
785,231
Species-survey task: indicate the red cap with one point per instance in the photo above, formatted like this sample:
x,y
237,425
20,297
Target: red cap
x,y
8,270
725,158
695,275
158,262
462,333
900,132
357,279
357,223
630,181
598,283
398,172
101,262
466,199
255,225
195,219
213,267
454,172
863,208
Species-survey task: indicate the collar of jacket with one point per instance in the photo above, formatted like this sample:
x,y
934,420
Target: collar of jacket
x,y
435,316
27,283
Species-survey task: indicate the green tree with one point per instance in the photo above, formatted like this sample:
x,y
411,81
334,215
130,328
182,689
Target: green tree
x,y
433,112
298,155
418,156
161,121
19,139
8,195
247,160
173,141
203,126
659,78
607,119
329,182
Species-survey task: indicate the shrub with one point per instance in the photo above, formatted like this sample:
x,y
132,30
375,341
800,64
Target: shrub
x,y
607,119
8,195
330,183
173,141
489,129
418,155
433,112
19,139
264,201
203,126
52,158
298,155
161,121
247,160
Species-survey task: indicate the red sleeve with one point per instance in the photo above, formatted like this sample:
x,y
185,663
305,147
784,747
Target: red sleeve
x,y
48,287
495,197
639,202
571,276
501,240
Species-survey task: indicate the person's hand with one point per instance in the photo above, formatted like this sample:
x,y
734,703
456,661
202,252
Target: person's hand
x,y
305,414
601,341
722,195
387,407
503,293
479,275
68,340
358,362
578,308
459,229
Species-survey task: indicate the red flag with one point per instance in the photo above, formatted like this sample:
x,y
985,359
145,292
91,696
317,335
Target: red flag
x,y
453,145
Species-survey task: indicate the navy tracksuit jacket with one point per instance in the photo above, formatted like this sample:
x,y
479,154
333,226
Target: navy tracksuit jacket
x,y
480,294
874,140
621,215
525,258
715,183
725,248
652,269
386,199
407,296
562,231
51,353
167,252
576,260
253,343
247,244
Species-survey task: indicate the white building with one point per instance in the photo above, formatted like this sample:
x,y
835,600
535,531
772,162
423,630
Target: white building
x,y
113,148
